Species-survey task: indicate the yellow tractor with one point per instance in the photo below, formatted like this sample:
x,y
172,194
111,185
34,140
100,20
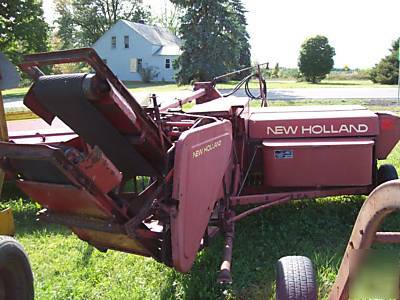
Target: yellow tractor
x,y
16,279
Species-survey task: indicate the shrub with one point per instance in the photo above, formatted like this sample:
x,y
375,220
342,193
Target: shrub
x,y
148,73
356,74
387,70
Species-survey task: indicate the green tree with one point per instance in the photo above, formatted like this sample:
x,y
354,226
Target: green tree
x,y
214,39
238,14
82,22
387,70
169,17
22,28
316,58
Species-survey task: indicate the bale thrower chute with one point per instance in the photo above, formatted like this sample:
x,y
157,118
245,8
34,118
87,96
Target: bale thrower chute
x,y
162,182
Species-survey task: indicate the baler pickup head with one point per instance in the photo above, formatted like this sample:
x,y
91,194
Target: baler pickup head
x,y
91,181
119,179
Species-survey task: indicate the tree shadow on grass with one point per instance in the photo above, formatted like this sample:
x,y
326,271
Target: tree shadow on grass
x,y
317,229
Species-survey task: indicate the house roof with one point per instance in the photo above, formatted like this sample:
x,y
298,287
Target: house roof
x,y
168,50
169,43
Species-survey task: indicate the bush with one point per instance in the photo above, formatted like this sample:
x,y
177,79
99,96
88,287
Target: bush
x,y
316,58
289,73
387,70
148,73
356,74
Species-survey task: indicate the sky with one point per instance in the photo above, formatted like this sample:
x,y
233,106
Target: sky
x,y
361,31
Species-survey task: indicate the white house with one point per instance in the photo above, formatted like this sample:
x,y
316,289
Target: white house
x,y
127,47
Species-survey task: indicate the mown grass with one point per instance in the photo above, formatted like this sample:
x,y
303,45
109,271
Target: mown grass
x,y
67,268
17,92
272,84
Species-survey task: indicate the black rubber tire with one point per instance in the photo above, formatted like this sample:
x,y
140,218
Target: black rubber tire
x,y
386,173
295,279
16,279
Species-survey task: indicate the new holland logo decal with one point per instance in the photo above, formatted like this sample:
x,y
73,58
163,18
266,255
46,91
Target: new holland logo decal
x,y
317,129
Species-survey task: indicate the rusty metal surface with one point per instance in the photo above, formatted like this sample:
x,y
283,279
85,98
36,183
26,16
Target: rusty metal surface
x,y
81,221
105,233
115,241
41,168
224,275
100,170
384,200
65,199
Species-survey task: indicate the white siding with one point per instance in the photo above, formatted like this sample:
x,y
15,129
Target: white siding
x,y
121,60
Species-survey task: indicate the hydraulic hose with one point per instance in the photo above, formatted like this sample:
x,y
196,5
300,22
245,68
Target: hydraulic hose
x,y
246,82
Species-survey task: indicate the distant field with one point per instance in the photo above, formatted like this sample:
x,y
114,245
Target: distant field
x,y
271,84
67,268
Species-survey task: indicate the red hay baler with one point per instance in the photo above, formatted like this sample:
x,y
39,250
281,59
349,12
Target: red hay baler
x,y
160,181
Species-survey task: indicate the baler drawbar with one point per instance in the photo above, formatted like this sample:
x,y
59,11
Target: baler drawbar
x,y
162,181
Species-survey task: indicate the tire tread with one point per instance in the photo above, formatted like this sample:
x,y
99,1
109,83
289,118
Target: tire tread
x,y
296,279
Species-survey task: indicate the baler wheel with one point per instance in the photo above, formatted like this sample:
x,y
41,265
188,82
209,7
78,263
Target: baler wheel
x,y
386,173
295,279
16,279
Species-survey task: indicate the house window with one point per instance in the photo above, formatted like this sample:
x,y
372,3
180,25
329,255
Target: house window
x,y
113,42
167,63
136,64
126,41
139,64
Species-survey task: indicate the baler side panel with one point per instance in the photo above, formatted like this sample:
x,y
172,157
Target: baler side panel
x,y
201,160
318,162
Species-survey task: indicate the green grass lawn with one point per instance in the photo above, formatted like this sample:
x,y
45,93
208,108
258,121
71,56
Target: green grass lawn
x,y
17,92
67,268
272,84
327,83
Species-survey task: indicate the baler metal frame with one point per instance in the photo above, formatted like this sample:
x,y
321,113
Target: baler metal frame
x,y
158,136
